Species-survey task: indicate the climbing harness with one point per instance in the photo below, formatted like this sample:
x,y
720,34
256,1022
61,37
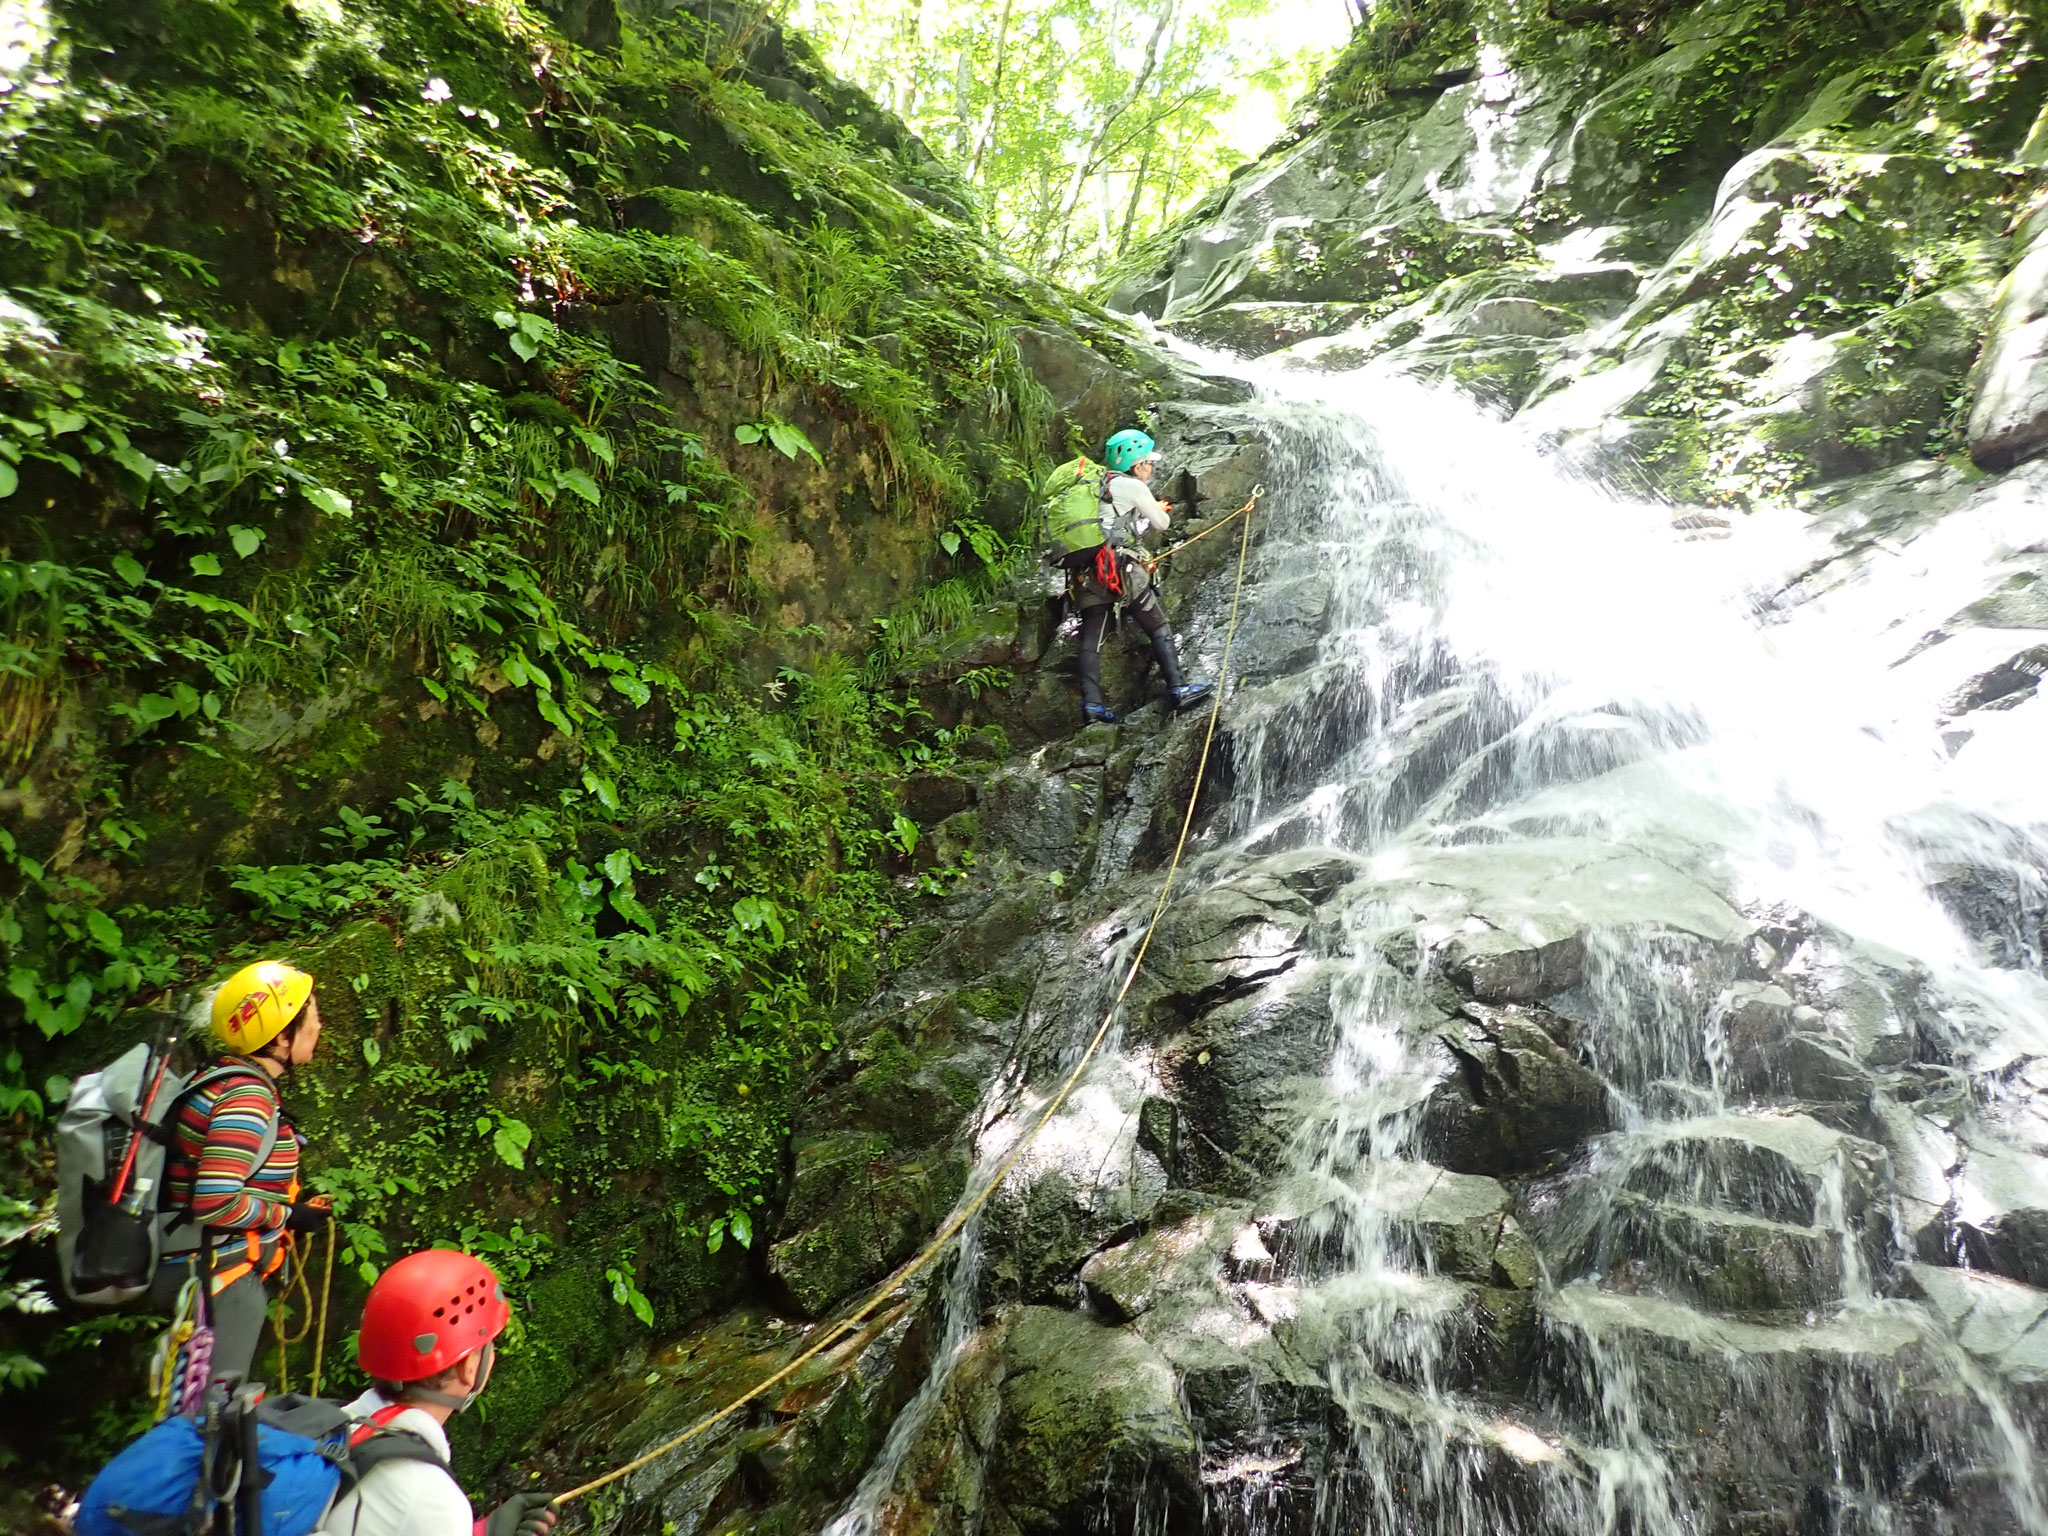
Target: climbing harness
x,y
959,1219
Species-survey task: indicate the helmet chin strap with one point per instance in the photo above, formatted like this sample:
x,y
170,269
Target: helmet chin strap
x,y
454,1401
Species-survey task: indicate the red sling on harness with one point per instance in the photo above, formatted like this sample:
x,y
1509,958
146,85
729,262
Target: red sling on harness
x,y
1106,570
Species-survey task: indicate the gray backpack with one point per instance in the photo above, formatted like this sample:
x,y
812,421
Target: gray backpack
x,y
113,1142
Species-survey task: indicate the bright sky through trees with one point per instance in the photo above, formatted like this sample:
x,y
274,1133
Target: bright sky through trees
x,y
1084,124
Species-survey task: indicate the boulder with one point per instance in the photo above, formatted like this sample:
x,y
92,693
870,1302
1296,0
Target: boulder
x,y
1721,1260
1782,1167
1999,1220
1457,1224
2003,1323
1048,1420
1512,1097
1498,966
1086,387
1243,1075
2009,385
1127,1281
1045,818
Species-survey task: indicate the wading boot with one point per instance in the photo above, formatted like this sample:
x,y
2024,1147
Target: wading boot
x,y
1182,692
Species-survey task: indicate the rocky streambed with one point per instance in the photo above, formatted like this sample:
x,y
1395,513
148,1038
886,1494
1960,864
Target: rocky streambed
x,y
1590,1075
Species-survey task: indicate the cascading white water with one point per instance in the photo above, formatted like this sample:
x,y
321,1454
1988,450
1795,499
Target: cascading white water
x,y
1620,693
1549,705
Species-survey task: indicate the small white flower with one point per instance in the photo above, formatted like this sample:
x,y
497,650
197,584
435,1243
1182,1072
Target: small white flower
x,y
437,90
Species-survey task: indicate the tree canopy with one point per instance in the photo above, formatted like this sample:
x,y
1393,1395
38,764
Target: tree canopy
x,y
1083,126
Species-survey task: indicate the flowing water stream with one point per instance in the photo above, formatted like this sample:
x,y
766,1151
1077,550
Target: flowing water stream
x,y
1538,713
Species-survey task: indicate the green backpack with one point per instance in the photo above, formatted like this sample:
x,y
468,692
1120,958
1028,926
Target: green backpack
x,y
1073,497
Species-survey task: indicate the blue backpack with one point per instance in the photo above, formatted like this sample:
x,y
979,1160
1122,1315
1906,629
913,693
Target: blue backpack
x,y
245,1464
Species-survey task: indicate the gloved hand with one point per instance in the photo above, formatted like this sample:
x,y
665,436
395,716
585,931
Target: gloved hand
x,y
524,1514
309,1215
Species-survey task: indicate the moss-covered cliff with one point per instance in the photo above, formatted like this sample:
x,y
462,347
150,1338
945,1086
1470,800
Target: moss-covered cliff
x,y
466,477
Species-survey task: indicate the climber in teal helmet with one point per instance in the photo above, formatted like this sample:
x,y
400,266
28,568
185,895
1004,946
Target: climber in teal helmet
x,y
1103,558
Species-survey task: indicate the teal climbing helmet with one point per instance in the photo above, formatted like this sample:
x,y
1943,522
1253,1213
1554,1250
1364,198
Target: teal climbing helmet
x,y
1126,449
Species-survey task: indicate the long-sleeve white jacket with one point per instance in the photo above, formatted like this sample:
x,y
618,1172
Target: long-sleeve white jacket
x,y
403,1498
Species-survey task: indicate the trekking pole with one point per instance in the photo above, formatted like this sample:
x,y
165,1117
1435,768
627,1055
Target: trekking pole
x,y
160,1050
249,1496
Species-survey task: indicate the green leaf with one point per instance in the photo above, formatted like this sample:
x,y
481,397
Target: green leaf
x,y
332,502
525,346
742,1229
949,541
9,479
599,445
153,707
62,422
206,565
606,791
129,569
752,913
791,441
551,712
104,930
715,1238
290,357
373,1053
511,1141
618,866
505,320
746,432
580,482
246,540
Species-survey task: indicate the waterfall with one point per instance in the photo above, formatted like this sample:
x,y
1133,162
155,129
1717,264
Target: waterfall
x,y
1540,727
1526,670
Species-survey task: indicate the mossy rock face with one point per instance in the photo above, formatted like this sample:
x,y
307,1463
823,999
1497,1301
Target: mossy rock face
x,y
1046,1418
875,1160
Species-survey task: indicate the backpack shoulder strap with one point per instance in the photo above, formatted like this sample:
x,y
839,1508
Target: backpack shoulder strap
x,y
222,1075
373,1442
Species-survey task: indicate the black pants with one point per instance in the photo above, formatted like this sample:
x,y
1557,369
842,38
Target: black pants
x,y
1151,618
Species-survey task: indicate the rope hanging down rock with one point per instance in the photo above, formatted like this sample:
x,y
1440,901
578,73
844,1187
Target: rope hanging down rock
x,y
1153,562
951,1229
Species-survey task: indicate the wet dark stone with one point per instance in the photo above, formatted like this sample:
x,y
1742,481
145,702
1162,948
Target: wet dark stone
x,y
1512,1099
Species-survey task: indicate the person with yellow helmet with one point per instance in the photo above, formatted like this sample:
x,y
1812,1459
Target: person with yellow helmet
x,y
231,1185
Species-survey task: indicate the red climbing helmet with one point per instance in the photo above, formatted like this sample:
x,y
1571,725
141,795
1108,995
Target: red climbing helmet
x,y
428,1311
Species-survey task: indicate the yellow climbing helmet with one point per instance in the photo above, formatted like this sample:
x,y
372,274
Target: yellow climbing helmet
x,y
254,1005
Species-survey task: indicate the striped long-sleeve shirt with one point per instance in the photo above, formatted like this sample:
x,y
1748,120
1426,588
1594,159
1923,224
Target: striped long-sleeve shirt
x,y
213,1172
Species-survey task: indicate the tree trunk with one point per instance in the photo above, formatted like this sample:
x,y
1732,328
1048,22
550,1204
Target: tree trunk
x,y
963,86
995,94
909,31
1123,238
1086,164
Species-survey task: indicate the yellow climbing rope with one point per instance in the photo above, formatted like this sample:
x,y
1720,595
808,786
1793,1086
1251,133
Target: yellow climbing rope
x,y
1152,562
295,1279
326,1290
827,1337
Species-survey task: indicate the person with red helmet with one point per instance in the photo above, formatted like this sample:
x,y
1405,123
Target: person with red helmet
x,y
427,1344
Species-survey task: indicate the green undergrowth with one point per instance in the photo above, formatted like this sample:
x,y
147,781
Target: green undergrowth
x,y
373,593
